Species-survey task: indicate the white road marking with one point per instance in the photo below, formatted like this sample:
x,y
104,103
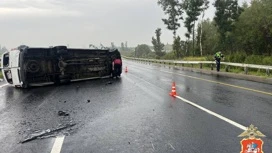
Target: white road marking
x,y
202,108
3,85
58,144
171,146
153,146
214,114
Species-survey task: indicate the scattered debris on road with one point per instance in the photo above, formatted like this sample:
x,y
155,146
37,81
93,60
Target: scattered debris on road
x,y
47,133
48,136
62,113
171,146
153,146
88,101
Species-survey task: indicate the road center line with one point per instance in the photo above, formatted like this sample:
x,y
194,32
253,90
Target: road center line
x,y
3,85
225,84
58,144
213,113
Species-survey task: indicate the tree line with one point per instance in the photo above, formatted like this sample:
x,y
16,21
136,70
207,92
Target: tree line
x,y
3,49
244,30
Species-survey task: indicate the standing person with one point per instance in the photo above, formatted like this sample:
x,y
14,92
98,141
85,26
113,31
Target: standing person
x,y
217,58
117,66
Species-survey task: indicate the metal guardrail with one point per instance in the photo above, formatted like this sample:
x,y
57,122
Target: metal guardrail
x,y
212,64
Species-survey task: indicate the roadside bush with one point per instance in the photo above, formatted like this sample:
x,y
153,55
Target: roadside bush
x,y
132,54
169,55
151,55
209,58
238,57
267,60
227,58
254,59
126,53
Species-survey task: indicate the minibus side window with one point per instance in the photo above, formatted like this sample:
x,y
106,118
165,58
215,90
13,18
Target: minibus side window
x,y
6,60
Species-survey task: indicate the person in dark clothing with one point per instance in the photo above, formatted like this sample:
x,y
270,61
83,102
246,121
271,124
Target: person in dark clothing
x,y
217,58
117,67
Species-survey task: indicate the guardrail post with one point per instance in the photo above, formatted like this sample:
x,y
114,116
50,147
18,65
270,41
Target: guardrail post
x,y
246,70
192,65
267,72
227,68
211,66
201,66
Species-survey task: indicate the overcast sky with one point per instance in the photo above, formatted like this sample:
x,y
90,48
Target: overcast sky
x,y
81,22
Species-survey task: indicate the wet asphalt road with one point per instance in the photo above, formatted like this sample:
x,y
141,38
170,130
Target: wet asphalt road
x,y
136,113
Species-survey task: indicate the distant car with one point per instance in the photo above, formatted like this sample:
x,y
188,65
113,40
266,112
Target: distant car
x,y
28,66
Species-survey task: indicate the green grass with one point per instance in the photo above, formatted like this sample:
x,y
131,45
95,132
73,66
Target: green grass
x,y
259,73
237,70
255,72
191,58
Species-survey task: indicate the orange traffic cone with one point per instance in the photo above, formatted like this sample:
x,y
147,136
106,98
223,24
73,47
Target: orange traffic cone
x,y
173,92
126,70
